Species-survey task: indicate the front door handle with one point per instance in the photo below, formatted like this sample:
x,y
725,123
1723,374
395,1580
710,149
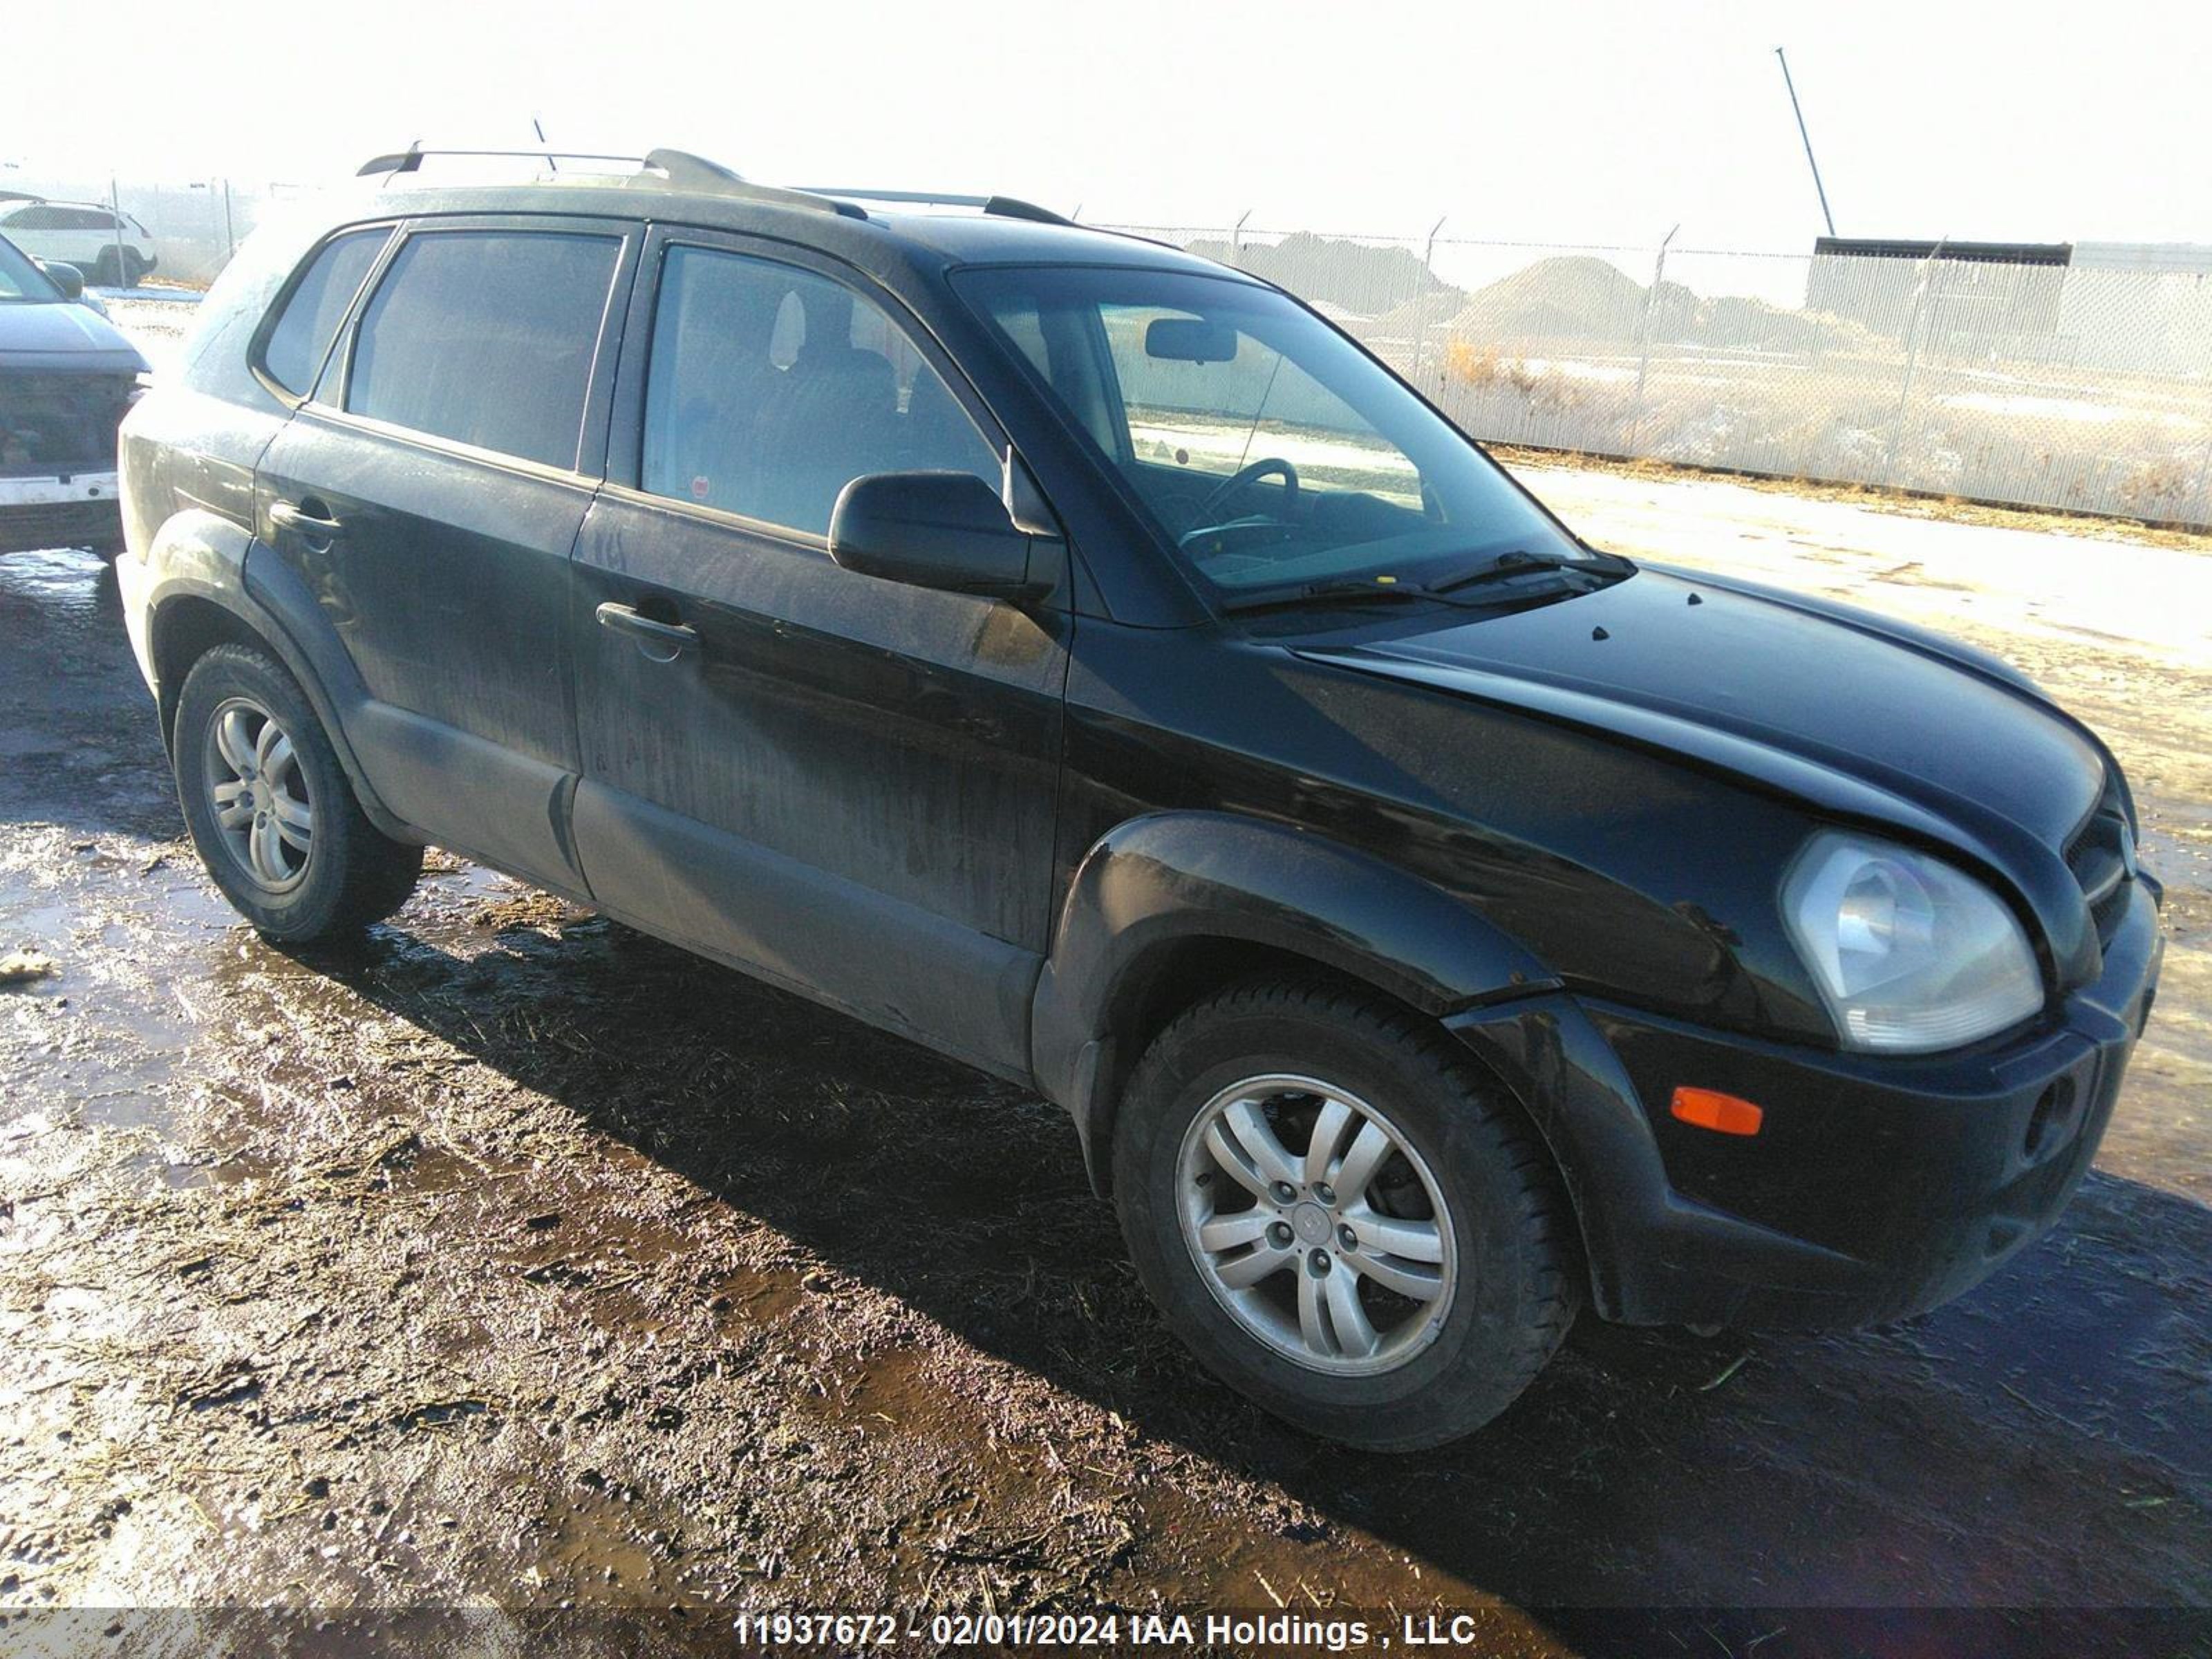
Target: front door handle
x,y
286,516
662,641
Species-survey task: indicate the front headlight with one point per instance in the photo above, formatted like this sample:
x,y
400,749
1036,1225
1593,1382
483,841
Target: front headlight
x,y
1910,955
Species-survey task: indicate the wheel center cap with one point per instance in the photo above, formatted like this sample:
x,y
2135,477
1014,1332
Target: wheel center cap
x,y
1310,1223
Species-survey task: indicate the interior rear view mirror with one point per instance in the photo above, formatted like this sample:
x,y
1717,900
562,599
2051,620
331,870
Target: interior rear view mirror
x,y
1189,340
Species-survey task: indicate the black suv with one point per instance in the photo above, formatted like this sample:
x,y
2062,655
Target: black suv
x,y
1091,663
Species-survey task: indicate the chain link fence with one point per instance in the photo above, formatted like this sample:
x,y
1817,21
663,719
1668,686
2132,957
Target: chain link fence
x,y
192,225
2085,387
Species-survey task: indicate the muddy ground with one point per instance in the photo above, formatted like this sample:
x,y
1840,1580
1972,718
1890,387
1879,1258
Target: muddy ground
x,y
512,1258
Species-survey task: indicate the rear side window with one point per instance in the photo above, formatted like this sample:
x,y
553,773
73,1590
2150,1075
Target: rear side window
x,y
486,337
302,337
770,388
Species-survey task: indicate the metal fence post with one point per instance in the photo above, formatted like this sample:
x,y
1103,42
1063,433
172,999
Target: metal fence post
x,y
1421,328
1913,333
1643,349
1237,237
115,210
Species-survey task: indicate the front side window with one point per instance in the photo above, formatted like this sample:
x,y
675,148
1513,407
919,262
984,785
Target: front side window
x,y
769,389
302,337
1268,451
486,337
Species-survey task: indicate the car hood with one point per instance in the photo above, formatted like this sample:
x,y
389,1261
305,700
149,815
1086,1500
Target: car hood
x,y
64,335
1861,717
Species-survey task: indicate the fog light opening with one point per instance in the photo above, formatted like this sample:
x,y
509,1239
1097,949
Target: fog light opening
x,y
2048,1122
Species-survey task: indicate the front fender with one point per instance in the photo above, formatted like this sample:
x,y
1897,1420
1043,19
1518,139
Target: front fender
x,y
1172,878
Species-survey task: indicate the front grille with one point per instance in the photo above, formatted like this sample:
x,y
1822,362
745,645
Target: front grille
x,y
60,423
2102,856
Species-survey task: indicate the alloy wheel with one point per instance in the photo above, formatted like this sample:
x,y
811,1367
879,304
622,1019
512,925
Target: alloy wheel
x,y
1317,1225
257,793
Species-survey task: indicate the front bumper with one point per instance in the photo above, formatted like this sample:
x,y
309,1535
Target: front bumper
x,y
1876,1188
82,509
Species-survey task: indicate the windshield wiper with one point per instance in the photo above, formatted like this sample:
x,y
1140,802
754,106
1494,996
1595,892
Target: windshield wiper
x,y
1358,590
1519,561
1346,591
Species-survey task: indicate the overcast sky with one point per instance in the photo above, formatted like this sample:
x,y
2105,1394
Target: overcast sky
x,y
1545,122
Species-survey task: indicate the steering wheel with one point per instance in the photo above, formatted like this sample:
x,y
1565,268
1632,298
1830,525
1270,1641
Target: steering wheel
x,y
1242,478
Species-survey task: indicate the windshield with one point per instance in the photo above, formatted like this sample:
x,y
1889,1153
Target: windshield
x,y
19,279
1268,450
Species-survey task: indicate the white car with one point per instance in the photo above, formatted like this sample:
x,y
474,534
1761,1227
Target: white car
x,y
111,249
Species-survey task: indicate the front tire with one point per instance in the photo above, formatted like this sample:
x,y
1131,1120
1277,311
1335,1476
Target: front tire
x,y
1341,1216
270,810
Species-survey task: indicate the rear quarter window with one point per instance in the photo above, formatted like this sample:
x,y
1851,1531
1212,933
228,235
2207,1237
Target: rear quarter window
x,y
318,304
486,337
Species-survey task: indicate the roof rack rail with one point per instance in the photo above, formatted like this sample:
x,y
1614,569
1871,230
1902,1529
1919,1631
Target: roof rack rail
x,y
679,168
689,172
998,207
410,159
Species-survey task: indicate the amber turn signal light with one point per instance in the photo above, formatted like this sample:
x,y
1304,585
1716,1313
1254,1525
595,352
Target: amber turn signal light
x,y
1708,1108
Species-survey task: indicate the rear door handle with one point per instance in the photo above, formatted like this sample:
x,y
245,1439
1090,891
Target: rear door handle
x,y
285,516
662,641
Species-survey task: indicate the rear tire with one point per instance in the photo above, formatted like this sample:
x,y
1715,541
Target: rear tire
x,y
1404,1311
270,809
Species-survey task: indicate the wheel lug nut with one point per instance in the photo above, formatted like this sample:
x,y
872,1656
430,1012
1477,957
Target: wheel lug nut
x,y
1324,1192
1279,1235
1285,1193
1317,1264
1347,1238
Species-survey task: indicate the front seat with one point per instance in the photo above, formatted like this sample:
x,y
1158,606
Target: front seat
x,y
832,416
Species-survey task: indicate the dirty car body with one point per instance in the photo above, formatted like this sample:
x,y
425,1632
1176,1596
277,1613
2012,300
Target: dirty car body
x,y
1154,721
67,377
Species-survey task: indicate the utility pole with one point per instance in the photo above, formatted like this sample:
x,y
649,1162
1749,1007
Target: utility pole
x,y
1818,189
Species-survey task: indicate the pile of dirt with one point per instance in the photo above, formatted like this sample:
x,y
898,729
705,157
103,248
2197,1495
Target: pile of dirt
x,y
1583,298
1573,296
1366,279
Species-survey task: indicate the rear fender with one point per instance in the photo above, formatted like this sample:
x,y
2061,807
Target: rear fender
x,y
201,558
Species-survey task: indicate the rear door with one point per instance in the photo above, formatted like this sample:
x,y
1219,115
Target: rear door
x,y
429,497
842,783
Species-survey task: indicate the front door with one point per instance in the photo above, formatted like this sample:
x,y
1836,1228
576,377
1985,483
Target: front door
x,y
844,784
429,497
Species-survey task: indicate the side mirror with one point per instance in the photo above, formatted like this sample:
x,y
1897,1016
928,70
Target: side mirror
x,y
67,278
944,530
